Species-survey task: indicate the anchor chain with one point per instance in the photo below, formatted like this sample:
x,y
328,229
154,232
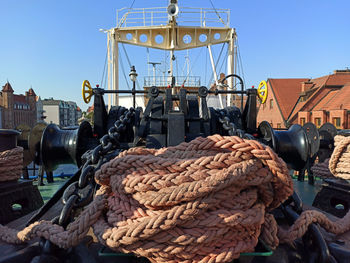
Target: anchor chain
x,y
80,193
230,127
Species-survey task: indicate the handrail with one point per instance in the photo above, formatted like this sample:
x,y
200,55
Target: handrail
x,y
154,16
164,81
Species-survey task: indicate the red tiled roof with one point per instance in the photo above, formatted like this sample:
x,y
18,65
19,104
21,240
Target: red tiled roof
x,y
320,81
338,79
326,93
287,93
7,87
318,93
325,100
78,109
324,97
340,99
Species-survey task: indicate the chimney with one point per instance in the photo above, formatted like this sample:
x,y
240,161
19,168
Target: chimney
x,y
341,71
306,86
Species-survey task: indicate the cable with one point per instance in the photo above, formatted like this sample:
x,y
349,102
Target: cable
x,y
126,54
104,68
240,60
206,67
126,79
177,68
224,60
216,64
123,69
132,4
192,65
222,21
127,57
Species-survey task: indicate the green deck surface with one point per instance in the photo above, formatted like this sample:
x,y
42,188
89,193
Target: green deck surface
x,y
307,192
49,189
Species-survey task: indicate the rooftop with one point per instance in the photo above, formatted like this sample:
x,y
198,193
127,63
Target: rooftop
x,y
328,92
7,87
287,93
51,101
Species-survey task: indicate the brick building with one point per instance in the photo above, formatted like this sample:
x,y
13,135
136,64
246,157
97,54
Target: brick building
x,y
319,100
17,109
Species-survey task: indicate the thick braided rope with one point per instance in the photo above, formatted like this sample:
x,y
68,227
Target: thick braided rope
x,y
301,225
55,233
11,164
339,164
203,201
322,170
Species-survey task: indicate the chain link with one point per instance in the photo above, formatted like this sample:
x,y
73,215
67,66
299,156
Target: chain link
x,y
230,127
80,193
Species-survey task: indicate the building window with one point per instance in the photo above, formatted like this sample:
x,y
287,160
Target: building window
x,y
318,122
279,126
302,121
271,103
336,122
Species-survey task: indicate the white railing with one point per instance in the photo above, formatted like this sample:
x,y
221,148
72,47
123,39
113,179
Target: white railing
x,y
163,81
188,16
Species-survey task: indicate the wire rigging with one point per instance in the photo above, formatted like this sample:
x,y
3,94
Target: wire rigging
x,y
206,67
216,64
104,69
127,57
240,63
132,4
123,70
199,53
217,13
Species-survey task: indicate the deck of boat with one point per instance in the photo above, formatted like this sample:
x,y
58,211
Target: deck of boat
x,y
306,191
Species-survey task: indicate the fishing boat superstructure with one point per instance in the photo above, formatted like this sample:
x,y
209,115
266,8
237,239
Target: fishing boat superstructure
x,y
159,125
172,29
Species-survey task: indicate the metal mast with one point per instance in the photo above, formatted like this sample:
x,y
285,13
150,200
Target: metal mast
x,y
145,26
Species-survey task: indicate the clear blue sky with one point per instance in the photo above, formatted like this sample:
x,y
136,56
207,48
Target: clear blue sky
x,y
54,45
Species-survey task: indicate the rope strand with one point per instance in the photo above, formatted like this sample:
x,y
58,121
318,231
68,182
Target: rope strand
x,y
11,164
203,201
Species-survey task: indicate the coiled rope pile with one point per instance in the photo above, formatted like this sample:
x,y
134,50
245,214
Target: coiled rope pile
x,y
339,163
321,169
203,201
11,164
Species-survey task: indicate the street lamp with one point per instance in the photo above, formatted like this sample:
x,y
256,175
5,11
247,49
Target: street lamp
x,y
133,76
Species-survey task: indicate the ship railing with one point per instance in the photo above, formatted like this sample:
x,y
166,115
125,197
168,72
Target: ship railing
x,y
164,81
188,16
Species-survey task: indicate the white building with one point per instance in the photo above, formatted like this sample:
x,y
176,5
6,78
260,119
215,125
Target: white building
x,y
63,113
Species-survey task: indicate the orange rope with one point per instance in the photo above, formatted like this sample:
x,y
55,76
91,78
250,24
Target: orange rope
x,y
339,164
203,201
11,164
